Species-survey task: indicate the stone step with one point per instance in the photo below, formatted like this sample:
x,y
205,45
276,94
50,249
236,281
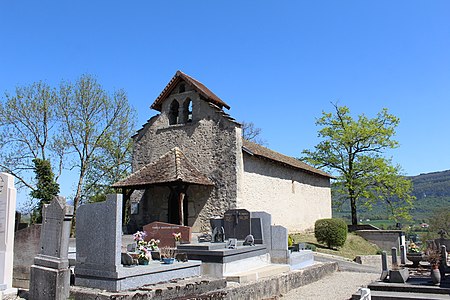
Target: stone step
x,y
411,288
385,295
257,273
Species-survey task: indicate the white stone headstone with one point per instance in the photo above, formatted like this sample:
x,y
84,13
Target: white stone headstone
x,y
7,221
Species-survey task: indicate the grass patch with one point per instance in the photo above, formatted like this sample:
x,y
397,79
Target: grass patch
x,y
354,245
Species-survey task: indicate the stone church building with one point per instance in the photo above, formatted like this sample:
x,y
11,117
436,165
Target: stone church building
x,y
190,164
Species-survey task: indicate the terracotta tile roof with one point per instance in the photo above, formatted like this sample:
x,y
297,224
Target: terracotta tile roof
x,y
172,167
263,152
197,85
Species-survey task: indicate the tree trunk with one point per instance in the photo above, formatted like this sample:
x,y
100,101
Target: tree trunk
x,y
353,207
76,203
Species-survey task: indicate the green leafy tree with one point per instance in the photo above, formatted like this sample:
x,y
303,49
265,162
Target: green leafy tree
x,y
78,127
96,127
353,150
46,187
27,128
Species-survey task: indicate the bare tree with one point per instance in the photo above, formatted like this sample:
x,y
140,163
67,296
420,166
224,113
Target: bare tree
x,y
252,133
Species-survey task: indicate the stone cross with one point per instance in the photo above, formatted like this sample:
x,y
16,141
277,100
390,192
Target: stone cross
x,y
7,215
50,274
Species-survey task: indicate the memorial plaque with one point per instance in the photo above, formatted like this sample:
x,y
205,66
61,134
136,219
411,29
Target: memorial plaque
x,y
256,230
164,233
236,223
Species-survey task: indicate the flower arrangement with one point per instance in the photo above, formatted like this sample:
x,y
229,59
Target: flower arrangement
x,y
177,236
413,248
144,247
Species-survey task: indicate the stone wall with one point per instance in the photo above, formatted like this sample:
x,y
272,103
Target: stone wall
x,y
295,199
209,142
385,239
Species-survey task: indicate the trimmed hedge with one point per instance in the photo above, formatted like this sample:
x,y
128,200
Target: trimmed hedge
x,y
332,232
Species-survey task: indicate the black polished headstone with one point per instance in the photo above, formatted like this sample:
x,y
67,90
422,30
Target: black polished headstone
x,y
256,230
236,223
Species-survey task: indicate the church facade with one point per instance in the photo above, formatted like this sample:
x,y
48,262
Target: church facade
x,y
190,164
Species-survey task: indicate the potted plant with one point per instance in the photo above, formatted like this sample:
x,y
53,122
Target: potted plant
x,y
434,258
168,255
414,254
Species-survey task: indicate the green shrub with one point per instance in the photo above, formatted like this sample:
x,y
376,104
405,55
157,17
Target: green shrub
x,y
332,232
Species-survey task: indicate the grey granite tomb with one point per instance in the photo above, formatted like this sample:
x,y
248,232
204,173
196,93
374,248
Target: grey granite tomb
x,y
98,261
50,274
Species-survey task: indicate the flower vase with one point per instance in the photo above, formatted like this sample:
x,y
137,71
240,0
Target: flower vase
x,y
143,261
435,275
415,258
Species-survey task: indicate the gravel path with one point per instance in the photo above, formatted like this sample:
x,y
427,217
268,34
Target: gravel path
x,y
336,286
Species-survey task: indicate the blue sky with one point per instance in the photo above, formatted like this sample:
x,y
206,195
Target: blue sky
x,y
278,64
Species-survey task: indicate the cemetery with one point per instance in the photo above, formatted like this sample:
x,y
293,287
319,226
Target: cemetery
x,y
242,253
205,214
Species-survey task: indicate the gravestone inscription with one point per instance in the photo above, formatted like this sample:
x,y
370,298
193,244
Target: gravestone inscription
x,y
164,233
237,223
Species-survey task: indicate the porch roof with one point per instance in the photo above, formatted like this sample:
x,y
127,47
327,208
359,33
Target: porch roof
x,y
171,168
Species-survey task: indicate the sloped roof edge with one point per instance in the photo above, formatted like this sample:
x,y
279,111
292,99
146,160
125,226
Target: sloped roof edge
x,y
197,85
263,152
172,167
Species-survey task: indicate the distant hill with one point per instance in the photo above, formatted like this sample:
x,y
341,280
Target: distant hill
x,y
432,191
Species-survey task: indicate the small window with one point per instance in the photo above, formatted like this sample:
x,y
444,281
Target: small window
x,y
173,113
188,110
181,88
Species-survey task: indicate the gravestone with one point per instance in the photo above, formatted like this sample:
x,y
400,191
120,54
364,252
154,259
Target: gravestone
x,y
50,274
256,230
236,223
99,240
279,253
7,222
394,257
164,233
98,257
266,223
402,255
384,266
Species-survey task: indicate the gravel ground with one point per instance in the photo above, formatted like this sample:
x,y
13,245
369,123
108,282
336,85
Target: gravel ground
x,y
336,286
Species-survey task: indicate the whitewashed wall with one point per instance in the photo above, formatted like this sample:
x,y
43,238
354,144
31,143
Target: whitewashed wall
x,y
295,199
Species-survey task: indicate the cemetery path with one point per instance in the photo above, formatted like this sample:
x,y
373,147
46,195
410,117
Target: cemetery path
x,y
340,285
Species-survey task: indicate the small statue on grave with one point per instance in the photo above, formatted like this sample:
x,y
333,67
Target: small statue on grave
x,y
218,235
249,240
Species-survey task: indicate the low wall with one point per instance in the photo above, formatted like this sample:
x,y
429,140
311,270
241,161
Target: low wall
x,y
26,247
385,239
214,289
